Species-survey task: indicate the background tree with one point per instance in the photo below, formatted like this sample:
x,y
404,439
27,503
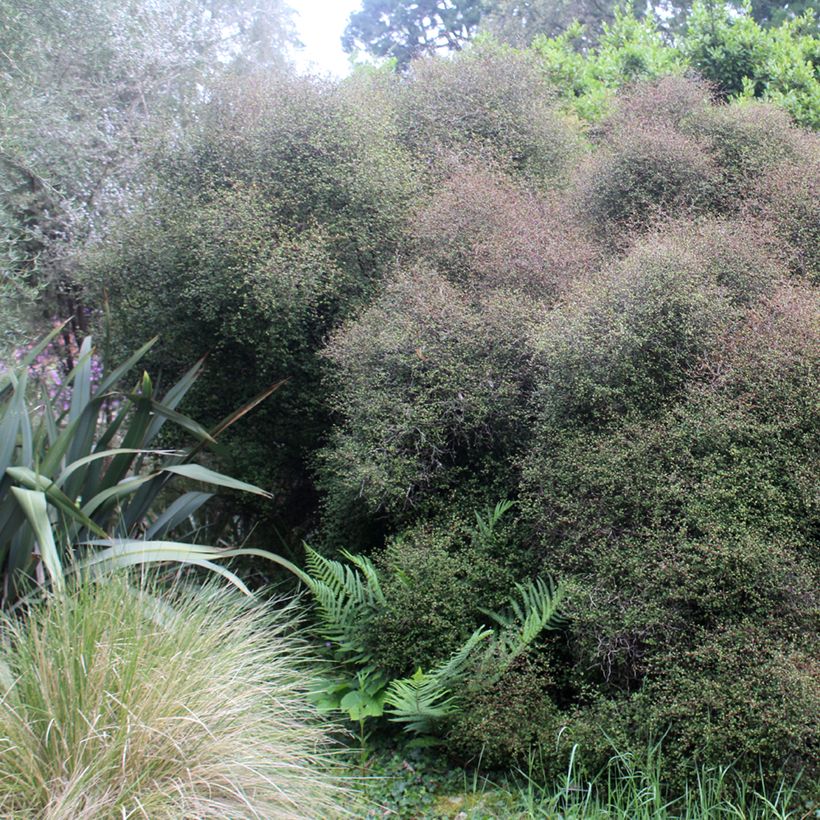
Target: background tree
x,y
87,87
518,21
403,31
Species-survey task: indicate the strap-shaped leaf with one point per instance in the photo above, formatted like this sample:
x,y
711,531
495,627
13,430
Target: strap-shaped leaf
x,y
128,486
85,460
111,379
196,472
10,423
181,509
35,508
55,495
122,552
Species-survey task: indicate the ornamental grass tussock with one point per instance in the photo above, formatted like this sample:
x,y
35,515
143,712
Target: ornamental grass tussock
x,y
125,701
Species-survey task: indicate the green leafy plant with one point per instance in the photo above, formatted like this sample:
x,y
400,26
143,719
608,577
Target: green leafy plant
x,y
537,610
420,701
78,491
348,598
486,524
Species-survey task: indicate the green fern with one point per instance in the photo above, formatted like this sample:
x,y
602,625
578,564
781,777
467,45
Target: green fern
x,y
485,525
421,701
538,610
347,597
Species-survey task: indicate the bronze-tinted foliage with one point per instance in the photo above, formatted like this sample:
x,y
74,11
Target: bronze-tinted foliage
x,y
644,172
624,340
668,150
669,100
484,230
787,199
428,380
491,103
698,524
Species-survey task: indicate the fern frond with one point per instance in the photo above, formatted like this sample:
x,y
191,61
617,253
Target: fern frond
x,y
424,699
536,609
419,702
346,597
371,576
449,671
485,527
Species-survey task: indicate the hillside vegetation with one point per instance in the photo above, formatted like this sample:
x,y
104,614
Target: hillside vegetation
x,y
549,329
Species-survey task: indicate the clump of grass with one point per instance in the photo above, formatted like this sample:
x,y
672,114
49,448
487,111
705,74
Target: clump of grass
x,y
127,702
633,786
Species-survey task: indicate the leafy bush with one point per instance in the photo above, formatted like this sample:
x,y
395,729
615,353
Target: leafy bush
x,y
350,599
742,59
429,386
184,703
737,695
277,215
787,199
489,103
437,578
483,230
645,171
501,726
734,54
679,528
629,50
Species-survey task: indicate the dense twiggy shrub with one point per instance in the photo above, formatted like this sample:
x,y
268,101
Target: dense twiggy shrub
x,y
430,386
697,522
625,340
483,230
746,141
738,694
439,578
787,199
643,172
318,154
278,216
120,701
491,103
505,724
667,149
671,99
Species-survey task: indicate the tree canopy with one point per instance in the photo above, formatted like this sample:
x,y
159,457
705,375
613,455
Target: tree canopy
x,y
404,30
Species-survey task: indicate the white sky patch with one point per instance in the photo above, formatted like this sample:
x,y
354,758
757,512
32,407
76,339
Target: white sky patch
x,y
320,24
